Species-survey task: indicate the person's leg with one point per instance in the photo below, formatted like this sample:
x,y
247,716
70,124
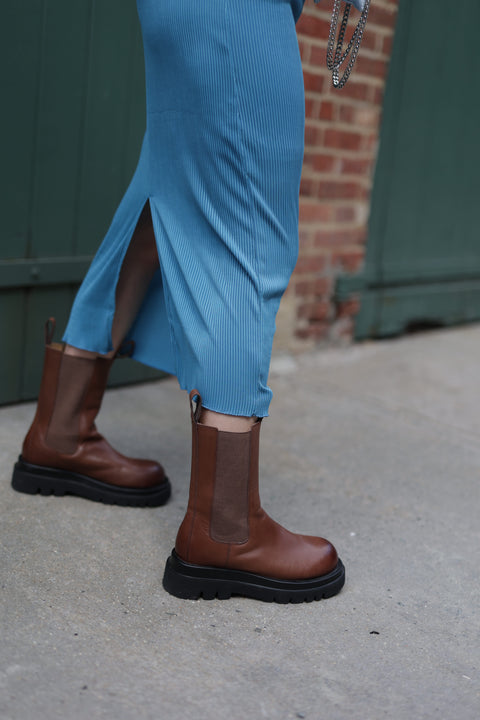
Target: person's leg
x,y
235,268
63,436
227,544
228,423
138,268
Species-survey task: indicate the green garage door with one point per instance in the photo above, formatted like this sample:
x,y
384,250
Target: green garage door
x,y
423,254
71,126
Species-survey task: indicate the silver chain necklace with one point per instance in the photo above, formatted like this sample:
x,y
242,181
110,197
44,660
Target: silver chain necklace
x,y
336,55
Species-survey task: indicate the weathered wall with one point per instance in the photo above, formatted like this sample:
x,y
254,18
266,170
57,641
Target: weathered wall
x,y
341,138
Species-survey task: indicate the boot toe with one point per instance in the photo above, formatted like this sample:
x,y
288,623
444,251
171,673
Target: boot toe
x,y
323,555
146,474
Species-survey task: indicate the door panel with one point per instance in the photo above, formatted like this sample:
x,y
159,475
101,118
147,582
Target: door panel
x,y
423,224
72,124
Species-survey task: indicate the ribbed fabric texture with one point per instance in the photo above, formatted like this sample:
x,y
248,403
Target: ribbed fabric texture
x,y
220,165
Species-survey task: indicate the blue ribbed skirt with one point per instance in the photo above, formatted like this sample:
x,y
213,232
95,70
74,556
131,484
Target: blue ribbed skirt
x,y
220,165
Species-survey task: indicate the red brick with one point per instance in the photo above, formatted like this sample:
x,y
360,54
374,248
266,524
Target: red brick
x,y
347,114
309,264
318,56
343,139
315,212
387,45
330,240
365,116
339,237
326,111
350,261
345,213
381,16
324,163
315,27
318,288
378,96
371,39
311,107
304,236
323,286
304,288
354,89
313,135
370,67
340,189
308,187
313,83
356,166
347,308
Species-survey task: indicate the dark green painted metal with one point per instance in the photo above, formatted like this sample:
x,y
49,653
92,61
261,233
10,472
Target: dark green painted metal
x,y
424,219
113,43
393,310
20,40
42,271
58,128
40,303
72,123
11,322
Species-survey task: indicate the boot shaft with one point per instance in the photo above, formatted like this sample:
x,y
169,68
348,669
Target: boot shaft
x,y
226,527
223,489
69,400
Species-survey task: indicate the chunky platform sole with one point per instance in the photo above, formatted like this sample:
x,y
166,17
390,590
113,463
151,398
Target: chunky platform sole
x,y
191,582
34,479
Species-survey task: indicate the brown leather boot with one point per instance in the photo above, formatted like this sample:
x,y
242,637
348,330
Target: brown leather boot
x,y
228,545
63,453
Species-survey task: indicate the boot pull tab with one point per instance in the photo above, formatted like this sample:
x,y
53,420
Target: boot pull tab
x,y
50,330
195,409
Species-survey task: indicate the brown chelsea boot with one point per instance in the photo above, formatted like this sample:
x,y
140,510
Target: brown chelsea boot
x,y
227,544
63,453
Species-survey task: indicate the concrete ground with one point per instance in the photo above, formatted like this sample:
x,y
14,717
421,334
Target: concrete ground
x,y
376,446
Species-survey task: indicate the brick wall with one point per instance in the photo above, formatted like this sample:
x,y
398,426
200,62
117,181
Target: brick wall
x,y
341,138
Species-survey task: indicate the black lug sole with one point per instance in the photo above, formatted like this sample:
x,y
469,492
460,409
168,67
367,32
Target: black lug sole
x,y
191,582
34,479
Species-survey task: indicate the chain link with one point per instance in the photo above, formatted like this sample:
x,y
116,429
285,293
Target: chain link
x,y
336,54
